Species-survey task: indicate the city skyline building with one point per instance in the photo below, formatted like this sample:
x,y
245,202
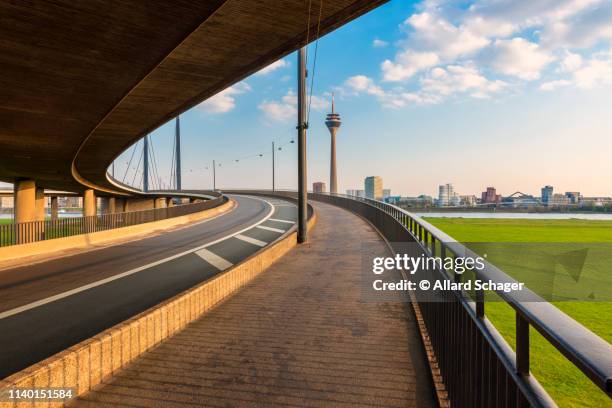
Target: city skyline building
x,y
319,187
447,195
373,186
332,121
547,194
490,196
356,193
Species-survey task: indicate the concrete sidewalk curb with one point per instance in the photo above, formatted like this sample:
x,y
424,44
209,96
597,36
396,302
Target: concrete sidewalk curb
x,y
15,255
95,360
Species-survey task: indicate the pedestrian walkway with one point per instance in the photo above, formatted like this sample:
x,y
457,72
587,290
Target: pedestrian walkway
x,y
298,335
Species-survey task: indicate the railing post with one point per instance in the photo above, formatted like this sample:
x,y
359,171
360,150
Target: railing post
x,y
522,345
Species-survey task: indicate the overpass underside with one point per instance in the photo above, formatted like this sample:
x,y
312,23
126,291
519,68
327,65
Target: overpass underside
x,y
83,81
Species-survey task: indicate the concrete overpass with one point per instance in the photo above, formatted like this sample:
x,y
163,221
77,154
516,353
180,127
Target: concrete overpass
x,y
81,82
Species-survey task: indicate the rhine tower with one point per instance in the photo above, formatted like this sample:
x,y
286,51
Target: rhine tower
x,y
333,124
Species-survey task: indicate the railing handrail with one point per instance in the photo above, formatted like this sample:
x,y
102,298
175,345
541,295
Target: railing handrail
x,y
42,230
585,349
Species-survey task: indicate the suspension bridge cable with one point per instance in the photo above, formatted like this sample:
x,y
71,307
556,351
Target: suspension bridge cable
x,y
173,165
137,167
314,62
155,170
130,162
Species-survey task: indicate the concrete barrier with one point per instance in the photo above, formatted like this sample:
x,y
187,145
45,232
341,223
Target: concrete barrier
x,y
89,363
15,254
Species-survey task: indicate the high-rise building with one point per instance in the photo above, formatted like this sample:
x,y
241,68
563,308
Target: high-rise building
x,y
490,196
467,200
547,194
356,193
574,197
373,187
318,187
333,124
446,195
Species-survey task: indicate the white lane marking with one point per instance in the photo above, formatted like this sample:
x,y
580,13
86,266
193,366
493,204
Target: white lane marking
x,y
41,302
270,228
285,221
214,259
251,240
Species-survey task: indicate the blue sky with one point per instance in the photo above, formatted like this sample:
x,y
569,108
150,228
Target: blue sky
x,y
511,94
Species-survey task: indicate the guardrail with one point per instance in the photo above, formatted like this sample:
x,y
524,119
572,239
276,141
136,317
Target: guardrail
x,y
478,366
33,231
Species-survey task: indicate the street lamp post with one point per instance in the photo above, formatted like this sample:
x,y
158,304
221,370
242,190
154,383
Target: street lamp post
x,y
301,128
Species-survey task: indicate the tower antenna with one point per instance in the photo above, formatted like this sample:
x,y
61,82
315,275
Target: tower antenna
x,y
333,123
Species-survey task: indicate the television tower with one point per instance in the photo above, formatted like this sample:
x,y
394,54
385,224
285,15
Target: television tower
x,y
333,124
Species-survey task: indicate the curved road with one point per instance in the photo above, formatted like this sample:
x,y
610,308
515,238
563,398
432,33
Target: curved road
x,y
49,306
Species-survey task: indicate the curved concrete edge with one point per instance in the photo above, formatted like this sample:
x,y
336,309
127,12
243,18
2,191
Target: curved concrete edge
x,y
16,255
95,360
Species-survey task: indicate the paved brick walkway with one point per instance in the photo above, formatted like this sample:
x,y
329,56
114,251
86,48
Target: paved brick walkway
x,y
299,335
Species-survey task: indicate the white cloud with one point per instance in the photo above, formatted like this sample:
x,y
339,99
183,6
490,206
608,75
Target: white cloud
x,y
434,33
596,71
520,58
285,109
362,83
552,85
571,62
225,100
456,48
435,87
407,63
460,79
379,43
281,63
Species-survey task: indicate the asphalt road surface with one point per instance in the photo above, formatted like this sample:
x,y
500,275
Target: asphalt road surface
x,y
50,306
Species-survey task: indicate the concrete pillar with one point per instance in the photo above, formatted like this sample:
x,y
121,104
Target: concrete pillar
x,y
89,203
40,204
159,203
120,205
105,205
25,200
54,208
170,202
112,205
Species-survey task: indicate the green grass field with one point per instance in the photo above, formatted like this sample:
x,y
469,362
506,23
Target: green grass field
x,y
546,255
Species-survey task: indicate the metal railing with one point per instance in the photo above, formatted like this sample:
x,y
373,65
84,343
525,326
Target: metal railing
x,y
33,231
478,366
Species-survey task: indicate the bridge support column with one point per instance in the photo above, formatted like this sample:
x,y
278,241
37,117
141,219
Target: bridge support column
x,y
120,204
25,209
25,200
112,205
54,208
159,203
89,203
40,204
89,210
105,205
